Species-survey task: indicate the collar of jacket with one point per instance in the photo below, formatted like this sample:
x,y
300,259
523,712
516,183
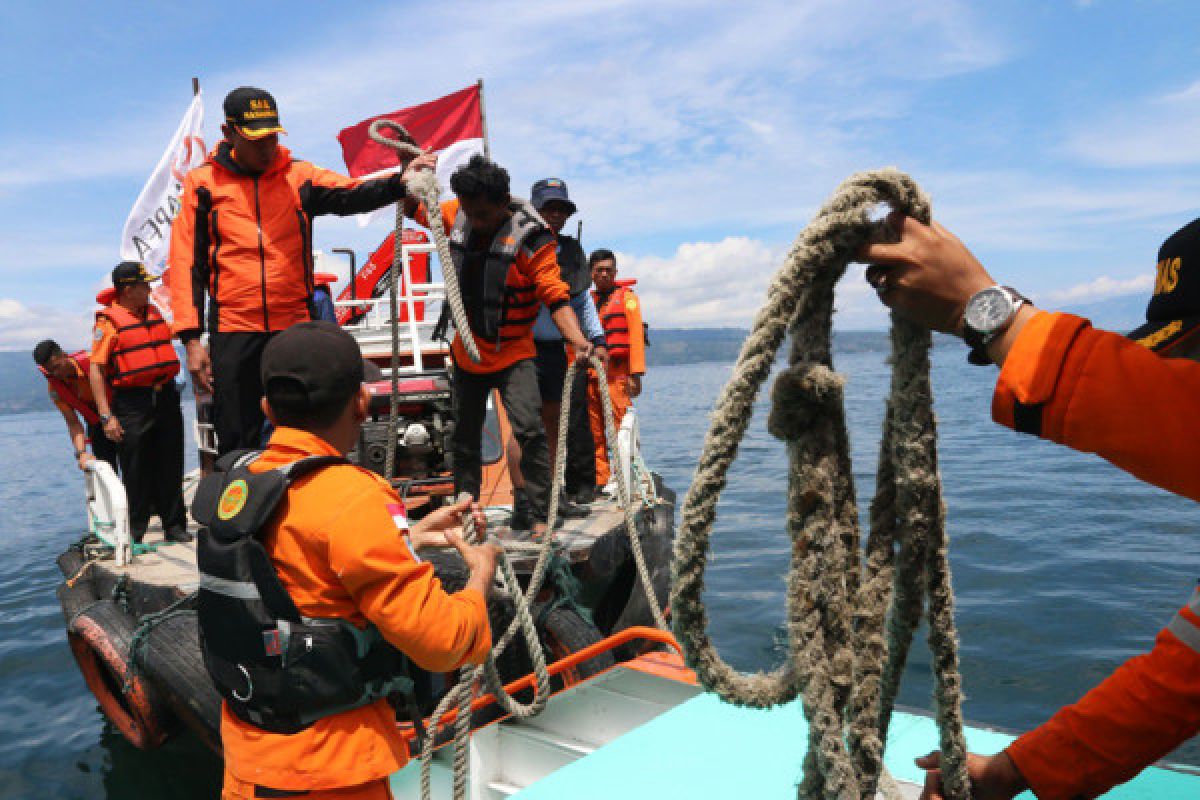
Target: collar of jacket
x,y
293,441
222,156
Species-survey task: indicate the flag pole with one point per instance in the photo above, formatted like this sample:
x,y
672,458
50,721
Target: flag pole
x,y
487,150
195,86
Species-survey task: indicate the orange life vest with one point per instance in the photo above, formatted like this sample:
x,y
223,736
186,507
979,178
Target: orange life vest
x,y
143,355
614,319
68,395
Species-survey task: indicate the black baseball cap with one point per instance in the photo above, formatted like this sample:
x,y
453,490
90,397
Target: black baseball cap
x,y
321,361
252,112
131,273
1173,313
549,189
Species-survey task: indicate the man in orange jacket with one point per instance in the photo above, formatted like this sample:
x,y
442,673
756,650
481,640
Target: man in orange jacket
x,y
243,238
133,358
504,256
1067,382
70,388
621,315
342,549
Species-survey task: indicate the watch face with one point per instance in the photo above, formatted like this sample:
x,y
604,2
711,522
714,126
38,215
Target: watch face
x,y
988,310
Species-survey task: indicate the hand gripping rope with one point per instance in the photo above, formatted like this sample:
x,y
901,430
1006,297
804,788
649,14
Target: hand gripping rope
x,y
840,600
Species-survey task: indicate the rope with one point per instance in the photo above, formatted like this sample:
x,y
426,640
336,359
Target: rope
x,y
462,694
146,624
424,187
837,602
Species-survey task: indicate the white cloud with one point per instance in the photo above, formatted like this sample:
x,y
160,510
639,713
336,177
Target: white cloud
x,y
22,326
1153,131
1101,288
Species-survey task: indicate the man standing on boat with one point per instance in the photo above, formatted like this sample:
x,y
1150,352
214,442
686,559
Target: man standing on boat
x,y
1062,380
133,358
504,257
549,197
243,238
71,392
343,555
621,315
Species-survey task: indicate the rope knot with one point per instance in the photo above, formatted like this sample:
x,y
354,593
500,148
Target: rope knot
x,y
801,394
403,143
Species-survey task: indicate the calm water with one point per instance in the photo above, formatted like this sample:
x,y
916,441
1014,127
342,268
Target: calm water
x,y
1064,567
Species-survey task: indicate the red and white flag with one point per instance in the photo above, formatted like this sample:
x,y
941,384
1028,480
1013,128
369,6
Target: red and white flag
x,y
451,126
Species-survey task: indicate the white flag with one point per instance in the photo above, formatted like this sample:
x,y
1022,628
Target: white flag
x,y
147,233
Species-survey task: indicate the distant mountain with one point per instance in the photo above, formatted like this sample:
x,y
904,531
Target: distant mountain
x,y
22,387
1121,314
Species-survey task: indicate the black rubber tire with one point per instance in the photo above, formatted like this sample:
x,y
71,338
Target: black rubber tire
x,y
100,638
70,561
564,631
172,659
74,599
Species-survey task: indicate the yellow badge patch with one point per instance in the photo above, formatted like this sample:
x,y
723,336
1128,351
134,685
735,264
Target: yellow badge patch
x,y
232,500
631,303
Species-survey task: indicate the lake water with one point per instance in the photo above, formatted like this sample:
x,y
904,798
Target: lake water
x,y
1064,567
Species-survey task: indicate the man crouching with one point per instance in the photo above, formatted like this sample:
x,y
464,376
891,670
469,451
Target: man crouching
x,y
312,596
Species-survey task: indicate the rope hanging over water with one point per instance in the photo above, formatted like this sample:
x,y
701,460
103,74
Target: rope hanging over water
x,y
851,614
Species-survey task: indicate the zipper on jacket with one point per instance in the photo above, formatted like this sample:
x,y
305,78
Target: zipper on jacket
x,y
262,258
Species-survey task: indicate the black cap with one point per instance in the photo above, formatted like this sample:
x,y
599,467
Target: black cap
x,y
252,112
131,273
1174,310
549,189
318,358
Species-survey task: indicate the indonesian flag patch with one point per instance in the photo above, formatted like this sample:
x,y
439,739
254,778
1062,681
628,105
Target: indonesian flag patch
x,y
400,518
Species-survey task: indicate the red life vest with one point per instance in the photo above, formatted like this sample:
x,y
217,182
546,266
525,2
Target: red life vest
x,y
143,355
613,319
65,393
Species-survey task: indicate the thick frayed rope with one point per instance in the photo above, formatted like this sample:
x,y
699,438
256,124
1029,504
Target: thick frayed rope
x,y
839,602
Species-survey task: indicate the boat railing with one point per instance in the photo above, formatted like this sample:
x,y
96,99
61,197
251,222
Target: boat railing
x,y
633,633
420,306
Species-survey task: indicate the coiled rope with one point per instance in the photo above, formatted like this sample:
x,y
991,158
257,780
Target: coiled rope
x,y
463,693
839,600
424,187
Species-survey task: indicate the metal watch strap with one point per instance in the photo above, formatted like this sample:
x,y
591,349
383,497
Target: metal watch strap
x,y
977,354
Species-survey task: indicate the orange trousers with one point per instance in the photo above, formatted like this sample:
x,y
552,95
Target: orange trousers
x,y
618,388
235,789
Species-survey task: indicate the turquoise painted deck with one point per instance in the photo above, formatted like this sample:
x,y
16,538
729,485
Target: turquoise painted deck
x,y
705,748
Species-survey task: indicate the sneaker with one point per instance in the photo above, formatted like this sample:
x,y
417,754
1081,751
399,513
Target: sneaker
x,y
180,535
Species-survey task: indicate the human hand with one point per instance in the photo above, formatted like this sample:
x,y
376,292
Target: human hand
x,y
602,354
480,560
431,530
635,385
927,276
422,163
992,777
200,367
113,430
584,350
84,459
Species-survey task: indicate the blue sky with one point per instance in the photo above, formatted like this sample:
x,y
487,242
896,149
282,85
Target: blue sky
x,y
1058,139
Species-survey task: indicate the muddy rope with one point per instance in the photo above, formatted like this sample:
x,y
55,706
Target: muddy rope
x,y
463,693
840,600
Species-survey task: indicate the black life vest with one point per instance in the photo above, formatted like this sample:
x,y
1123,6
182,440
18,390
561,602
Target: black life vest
x,y
497,296
276,669
572,265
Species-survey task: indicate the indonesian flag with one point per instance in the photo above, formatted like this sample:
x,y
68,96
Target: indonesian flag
x,y
452,126
147,232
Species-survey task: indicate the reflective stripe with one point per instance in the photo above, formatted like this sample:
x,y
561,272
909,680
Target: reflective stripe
x,y
239,590
1185,631
1194,603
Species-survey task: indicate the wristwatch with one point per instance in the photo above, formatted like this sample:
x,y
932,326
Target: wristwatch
x,y
79,453
104,418
988,314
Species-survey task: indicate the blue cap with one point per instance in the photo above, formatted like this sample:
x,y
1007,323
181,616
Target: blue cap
x,y
549,189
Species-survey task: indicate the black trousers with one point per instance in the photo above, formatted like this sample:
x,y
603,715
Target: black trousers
x,y
551,363
237,389
103,448
518,389
151,455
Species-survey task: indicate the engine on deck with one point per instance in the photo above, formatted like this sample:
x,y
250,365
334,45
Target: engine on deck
x,y
425,422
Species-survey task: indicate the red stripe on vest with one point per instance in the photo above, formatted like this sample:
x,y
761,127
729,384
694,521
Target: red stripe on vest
x,y
614,322
68,395
143,355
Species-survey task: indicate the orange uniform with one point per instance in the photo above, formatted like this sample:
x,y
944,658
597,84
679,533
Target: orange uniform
x,y
246,240
340,551
533,278
1080,387
621,315
75,393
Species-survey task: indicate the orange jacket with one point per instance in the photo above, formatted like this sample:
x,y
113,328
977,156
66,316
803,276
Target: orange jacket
x,y
533,278
621,316
136,351
75,393
246,240
1072,384
340,551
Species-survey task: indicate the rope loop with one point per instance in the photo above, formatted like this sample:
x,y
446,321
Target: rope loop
x,y
404,143
838,602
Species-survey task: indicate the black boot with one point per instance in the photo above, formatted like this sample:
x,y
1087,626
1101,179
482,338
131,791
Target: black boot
x,y
568,510
521,519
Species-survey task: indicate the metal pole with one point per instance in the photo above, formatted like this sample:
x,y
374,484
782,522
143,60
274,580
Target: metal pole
x,y
579,232
195,86
487,150
353,270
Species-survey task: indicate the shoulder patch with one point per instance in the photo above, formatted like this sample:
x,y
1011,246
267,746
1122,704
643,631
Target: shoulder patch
x,y
631,302
98,333
233,500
